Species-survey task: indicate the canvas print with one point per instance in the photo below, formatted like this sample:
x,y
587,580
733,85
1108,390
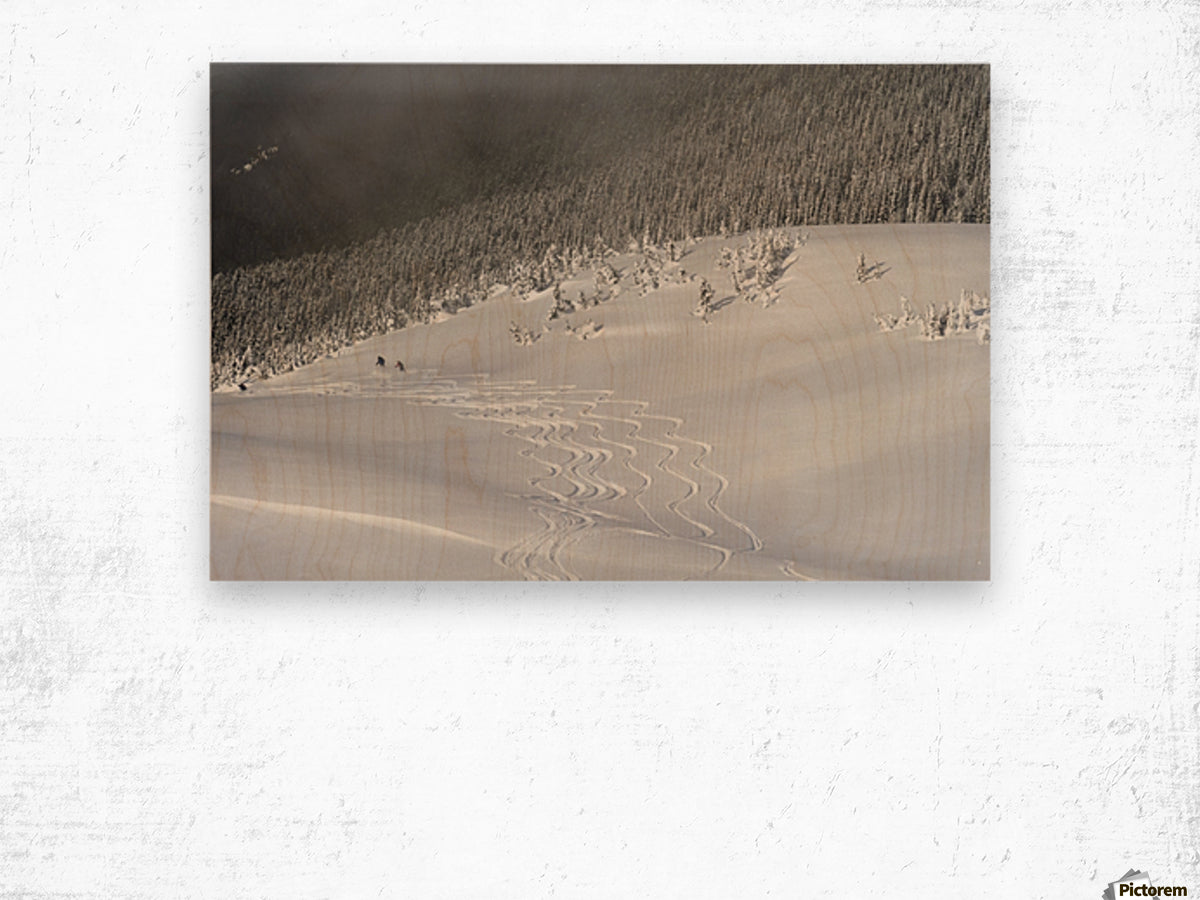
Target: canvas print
x,y
600,322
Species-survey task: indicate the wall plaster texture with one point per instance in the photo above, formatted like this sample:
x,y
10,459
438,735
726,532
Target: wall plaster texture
x,y
161,736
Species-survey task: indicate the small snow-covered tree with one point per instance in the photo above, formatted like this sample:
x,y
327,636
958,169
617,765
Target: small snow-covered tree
x,y
522,336
861,271
704,305
606,274
885,321
562,306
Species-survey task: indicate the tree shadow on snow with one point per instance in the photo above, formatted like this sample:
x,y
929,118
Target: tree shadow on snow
x,y
876,271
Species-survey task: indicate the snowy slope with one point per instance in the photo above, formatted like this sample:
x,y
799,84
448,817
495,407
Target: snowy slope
x,y
791,441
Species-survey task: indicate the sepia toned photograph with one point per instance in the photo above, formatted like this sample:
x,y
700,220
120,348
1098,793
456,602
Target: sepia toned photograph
x,y
589,322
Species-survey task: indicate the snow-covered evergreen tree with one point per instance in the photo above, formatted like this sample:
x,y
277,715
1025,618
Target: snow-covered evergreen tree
x,y
562,306
704,305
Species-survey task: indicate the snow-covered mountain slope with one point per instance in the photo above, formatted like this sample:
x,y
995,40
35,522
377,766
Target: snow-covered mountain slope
x,y
631,439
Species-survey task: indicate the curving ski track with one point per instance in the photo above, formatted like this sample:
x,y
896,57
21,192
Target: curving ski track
x,y
609,466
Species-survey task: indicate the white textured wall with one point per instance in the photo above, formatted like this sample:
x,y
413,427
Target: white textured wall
x,y
164,737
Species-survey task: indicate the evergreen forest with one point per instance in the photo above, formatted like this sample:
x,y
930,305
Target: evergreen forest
x,y
517,180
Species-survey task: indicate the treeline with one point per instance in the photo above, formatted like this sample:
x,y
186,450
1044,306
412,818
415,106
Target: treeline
x,y
730,149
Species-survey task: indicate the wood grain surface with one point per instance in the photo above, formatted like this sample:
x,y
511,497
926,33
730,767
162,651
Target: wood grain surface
x,y
782,439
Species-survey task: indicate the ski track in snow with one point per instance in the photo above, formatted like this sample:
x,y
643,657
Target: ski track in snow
x,y
610,466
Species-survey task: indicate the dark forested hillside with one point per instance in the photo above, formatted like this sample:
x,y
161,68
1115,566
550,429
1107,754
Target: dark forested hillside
x,y
358,197
364,148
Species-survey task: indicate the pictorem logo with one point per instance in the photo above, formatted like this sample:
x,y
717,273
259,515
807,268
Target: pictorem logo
x,y
1137,884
